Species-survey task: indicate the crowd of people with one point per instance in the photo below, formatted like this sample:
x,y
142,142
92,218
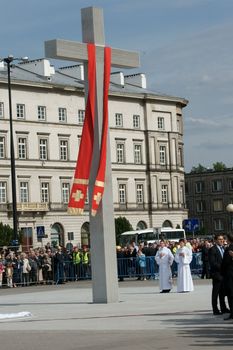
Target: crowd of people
x,y
49,265
217,264
167,259
45,265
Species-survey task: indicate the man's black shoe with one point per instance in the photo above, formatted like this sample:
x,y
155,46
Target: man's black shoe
x,y
226,311
217,312
230,317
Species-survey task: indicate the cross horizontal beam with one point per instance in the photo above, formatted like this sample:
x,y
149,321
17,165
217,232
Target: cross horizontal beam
x,y
74,51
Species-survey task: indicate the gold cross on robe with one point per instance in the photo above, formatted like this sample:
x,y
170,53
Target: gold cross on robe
x,y
77,195
98,197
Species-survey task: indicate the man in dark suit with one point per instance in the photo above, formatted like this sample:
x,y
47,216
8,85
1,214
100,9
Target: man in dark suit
x,y
215,260
227,271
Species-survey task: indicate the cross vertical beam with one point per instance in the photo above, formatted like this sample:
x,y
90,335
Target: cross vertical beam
x,y
102,227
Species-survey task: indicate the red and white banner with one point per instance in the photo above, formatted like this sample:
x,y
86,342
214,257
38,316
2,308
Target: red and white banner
x,y
83,166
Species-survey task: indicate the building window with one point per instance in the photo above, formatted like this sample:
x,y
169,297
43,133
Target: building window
x,y
2,192
199,187
200,206
178,126
162,155
161,123
22,148
119,119
43,145
23,192
217,205
217,185
186,187
63,150
62,114
164,194
44,192
182,197
140,194
1,110
81,116
2,147
65,192
231,185
120,153
137,154
122,193
41,113
20,111
136,121
180,156
218,224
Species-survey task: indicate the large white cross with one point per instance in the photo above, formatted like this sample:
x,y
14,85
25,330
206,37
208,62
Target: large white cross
x,y
102,227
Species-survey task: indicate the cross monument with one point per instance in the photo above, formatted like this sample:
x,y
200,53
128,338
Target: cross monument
x,y
102,226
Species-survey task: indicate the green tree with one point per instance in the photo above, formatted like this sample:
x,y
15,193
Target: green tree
x,y
198,169
6,235
122,225
219,166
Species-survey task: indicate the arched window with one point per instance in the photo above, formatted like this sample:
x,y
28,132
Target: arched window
x,y
85,234
167,223
57,234
141,225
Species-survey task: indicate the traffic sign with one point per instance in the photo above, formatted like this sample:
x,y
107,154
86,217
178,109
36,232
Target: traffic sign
x,y
40,230
191,225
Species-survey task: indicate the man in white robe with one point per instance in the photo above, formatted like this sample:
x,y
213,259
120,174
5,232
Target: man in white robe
x,y
183,258
164,259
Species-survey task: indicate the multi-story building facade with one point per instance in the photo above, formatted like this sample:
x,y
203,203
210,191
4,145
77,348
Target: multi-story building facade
x,y
208,194
146,136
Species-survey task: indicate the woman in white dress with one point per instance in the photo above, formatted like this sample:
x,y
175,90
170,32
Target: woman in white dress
x,y
164,259
183,258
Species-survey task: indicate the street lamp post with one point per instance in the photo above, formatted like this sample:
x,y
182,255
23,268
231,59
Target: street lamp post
x,y
8,60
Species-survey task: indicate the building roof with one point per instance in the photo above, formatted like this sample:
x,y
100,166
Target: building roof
x,y
25,74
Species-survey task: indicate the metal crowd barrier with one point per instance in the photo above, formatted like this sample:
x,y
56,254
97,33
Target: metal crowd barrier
x,y
130,267
126,268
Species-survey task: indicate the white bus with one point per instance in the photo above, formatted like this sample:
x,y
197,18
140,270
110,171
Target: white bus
x,y
152,235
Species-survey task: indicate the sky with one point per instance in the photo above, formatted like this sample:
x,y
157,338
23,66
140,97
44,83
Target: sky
x,y
185,46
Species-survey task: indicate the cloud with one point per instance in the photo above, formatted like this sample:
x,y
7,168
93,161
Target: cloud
x,y
215,145
202,121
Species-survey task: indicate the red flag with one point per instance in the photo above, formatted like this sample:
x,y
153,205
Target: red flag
x,y
83,165
100,178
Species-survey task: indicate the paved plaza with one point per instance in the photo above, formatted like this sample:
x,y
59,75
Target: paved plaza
x,y
64,317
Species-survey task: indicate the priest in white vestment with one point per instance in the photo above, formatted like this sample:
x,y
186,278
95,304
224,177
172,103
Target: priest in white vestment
x,y
164,259
183,258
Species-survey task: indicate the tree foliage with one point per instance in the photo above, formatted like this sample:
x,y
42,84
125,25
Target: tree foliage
x,y
198,169
6,235
122,225
219,166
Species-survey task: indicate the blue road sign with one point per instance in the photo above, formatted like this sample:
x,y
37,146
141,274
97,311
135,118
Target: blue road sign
x,y
191,225
15,242
40,230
